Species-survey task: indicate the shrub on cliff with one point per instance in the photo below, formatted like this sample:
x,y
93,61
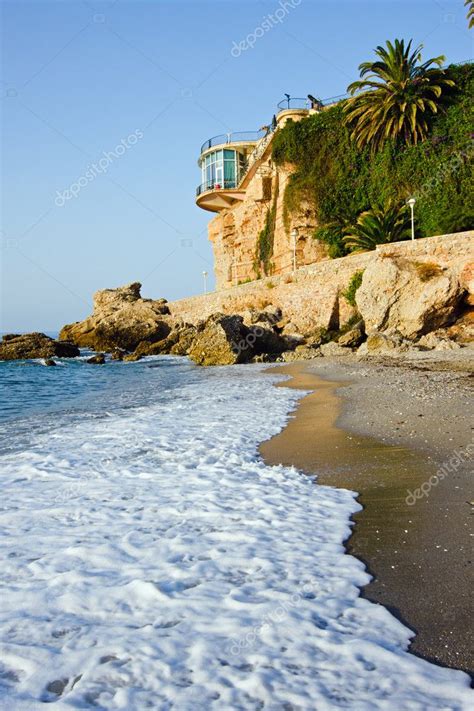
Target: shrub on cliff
x,y
380,225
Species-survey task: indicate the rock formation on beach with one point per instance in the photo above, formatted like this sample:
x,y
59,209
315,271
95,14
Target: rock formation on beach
x,y
121,319
409,296
35,345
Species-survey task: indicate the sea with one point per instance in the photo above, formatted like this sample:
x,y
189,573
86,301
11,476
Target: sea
x,y
152,560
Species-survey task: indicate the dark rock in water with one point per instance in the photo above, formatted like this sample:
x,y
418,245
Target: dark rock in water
x,y
118,354
178,342
186,336
98,359
121,319
49,362
35,345
131,357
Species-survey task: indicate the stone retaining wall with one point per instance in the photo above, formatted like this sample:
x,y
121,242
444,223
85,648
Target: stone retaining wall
x,y
312,296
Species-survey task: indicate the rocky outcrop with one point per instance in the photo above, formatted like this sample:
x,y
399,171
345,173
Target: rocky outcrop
x,y
353,337
390,344
408,297
98,359
121,319
222,340
35,345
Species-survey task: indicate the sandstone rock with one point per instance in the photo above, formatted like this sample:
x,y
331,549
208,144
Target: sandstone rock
x,y
184,342
333,349
132,357
352,338
98,359
316,338
35,345
301,353
265,358
118,354
385,343
266,340
447,345
400,295
161,347
121,319
222,340
269,315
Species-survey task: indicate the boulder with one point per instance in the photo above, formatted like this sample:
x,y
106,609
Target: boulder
x,y
98,359
222,340
433,341
333,349
49,362
384,343
132,357
301,353
352,338
406,296
186,336
121,319
118,354
267,340
35,345
316,337
269,315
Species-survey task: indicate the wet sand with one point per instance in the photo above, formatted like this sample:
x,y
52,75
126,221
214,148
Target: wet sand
x,y
419,554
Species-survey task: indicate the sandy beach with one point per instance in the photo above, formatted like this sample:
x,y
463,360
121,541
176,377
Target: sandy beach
x,y
400,434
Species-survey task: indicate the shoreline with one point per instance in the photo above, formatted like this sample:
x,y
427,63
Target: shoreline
x,y
383,431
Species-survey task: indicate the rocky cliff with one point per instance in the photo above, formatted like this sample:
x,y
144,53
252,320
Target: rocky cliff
x,y
412,295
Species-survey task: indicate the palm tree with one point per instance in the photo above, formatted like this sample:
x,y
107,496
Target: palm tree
x,y
470,12
378,225
399,96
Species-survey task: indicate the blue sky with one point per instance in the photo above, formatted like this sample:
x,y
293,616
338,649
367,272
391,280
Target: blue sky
x,y
81,77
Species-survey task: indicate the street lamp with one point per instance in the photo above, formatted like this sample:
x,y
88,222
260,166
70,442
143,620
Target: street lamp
x,y
411,202
294,235
204,274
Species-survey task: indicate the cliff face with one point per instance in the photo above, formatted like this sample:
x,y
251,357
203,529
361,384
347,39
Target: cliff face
x,y
253,239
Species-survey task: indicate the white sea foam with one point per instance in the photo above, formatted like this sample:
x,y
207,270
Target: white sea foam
x,y
153,561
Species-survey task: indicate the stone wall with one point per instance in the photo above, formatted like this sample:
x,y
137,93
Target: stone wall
x,y
312,296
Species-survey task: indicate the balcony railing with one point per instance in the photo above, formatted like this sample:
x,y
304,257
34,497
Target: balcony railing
x,y
300,103
239,137
289,103
214,185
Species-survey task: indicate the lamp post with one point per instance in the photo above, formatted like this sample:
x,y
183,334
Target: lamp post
x,y
294,236
411,202
204,274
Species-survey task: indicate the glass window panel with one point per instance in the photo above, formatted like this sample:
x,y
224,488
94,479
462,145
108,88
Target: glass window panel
x,y
229,154
229,173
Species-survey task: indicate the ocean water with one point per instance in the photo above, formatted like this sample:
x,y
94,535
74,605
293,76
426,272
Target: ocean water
x,y
151,560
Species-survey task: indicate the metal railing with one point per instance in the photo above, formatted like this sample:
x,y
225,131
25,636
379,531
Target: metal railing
x,y
216,185
296,103
239,137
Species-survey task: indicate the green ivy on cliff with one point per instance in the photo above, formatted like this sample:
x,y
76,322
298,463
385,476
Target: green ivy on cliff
x,y
265,243
341,181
